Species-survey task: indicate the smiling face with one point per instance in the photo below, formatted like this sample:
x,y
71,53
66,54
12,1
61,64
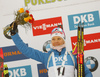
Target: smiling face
x,y
57,41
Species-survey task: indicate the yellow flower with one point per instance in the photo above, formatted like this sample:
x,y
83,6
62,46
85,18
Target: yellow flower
x,y
21,10
30,17
26,19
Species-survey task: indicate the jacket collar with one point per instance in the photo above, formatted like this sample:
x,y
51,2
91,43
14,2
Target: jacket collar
x,y
57,52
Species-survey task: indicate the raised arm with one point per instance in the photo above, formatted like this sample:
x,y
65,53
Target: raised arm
x,y
27,51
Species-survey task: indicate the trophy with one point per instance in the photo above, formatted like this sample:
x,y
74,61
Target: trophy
x,y
23,18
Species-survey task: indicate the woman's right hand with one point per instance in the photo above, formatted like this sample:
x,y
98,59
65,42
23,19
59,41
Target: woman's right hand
x,y
13,26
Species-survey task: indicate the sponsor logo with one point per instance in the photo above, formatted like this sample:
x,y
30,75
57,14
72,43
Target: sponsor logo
x,y
24,71
59,60
91,41
90,19
40,2
45,26
12,53
46,46
91,63
42,71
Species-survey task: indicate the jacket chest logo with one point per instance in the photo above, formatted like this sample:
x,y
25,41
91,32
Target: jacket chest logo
x,y
59,59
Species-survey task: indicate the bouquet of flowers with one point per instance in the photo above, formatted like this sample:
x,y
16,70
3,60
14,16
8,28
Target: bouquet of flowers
x,y
23,18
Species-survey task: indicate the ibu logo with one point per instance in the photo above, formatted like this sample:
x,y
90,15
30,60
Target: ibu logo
x,y
24,71
90,19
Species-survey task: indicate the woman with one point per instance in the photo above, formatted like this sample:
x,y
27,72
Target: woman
x,y
58,61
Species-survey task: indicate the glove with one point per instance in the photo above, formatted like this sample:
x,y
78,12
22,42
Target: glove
x,y
13,26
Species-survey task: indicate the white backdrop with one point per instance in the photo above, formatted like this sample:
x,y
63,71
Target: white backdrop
x,y
47,10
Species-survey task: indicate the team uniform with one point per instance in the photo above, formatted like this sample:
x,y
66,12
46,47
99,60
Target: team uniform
x,y
53,60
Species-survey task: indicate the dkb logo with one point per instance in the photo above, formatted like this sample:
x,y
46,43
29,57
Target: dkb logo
x,y
90,19
24,71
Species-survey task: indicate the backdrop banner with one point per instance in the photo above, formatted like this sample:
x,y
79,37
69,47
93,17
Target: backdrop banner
x,y
48,14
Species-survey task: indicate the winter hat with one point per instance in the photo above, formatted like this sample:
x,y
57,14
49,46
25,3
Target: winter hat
x,y
58,32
